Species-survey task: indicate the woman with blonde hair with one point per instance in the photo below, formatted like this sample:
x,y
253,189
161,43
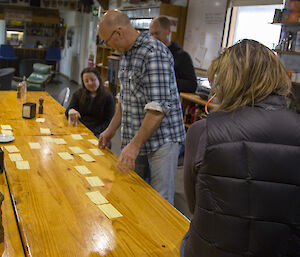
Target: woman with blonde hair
x,y
241,167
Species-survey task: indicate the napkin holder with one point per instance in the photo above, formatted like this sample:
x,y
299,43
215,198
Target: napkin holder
x,y
29,110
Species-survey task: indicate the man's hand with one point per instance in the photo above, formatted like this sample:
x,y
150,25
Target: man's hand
x,y
127,158
104,138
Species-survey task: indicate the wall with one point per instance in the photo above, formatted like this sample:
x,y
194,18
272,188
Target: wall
x,y
75,57
2,32
204,30
67,64
117,4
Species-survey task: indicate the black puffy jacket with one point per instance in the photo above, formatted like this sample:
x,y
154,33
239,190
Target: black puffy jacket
x,y
248,185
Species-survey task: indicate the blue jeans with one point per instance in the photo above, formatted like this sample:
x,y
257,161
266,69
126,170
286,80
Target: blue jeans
x,y
159,169
183,242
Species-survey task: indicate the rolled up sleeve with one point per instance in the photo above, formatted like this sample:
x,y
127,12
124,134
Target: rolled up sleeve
x,y
160,82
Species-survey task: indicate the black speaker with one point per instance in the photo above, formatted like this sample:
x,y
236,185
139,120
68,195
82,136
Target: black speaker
x,y
35,3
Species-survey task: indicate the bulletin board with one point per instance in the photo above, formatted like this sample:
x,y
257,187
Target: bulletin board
x,y
204,30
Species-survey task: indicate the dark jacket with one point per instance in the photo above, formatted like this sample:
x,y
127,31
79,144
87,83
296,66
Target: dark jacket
x,y
247,188
184,69
96,115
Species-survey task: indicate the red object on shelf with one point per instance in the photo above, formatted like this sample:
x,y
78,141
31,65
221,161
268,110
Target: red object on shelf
x,y
294,6
91,61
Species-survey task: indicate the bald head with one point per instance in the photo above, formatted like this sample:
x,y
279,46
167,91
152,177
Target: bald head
x,y
160,28
114,18
163,21
116,30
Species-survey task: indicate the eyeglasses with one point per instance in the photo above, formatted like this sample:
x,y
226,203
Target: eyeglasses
x,y
105,42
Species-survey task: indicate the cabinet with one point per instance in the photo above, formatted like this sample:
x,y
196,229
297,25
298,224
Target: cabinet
x,y
290,58
289,45
103,55
193,108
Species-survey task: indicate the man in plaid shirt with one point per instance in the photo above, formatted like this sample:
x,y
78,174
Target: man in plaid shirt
x,y
149,110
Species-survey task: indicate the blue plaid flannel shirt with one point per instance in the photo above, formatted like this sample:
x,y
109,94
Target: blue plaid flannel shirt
x,y
147,78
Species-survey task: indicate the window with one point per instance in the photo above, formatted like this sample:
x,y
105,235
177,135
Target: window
x,y
253,22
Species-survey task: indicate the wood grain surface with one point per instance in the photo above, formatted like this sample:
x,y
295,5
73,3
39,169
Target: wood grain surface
x,y
53,113
56,218
12,245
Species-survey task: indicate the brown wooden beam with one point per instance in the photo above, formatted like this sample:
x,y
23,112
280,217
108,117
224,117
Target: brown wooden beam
x,y
104,4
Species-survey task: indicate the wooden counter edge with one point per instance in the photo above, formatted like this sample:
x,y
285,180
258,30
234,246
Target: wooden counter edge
x,y
12,239
196,99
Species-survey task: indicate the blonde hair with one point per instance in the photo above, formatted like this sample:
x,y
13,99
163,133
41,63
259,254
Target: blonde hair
x,y
247,73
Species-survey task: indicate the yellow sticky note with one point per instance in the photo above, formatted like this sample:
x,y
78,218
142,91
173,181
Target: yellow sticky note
x,y
6,127
45,131
22,165
15,157
6,132
87,157
40,119
77,136
110,211
83,170
60,141
65,156
95,181
48,139
96,151
96,197
76,149
93,141
12,148
33,145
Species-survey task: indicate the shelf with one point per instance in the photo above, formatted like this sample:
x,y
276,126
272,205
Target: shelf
x,y
103,46
140,18
296,84
113,57
287,52
286,23
141,28
139,8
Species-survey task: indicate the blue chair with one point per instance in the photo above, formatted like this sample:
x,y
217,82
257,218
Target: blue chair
x,y
53,56
7,52
7,56
30,45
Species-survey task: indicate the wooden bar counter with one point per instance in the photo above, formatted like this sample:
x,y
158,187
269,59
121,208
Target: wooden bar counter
x,y
30,53
12,245
57,218
53,113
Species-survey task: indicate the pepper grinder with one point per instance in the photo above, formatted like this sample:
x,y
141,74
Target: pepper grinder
x,y
41,107
19,88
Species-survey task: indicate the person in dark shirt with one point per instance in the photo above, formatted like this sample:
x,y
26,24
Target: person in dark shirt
x,y
92,104
160,28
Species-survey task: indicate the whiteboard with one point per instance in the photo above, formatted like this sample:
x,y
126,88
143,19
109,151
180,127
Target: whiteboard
x,y
204,30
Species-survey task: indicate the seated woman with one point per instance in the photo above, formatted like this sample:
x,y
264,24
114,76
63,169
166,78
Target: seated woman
x,y
92,104
241,166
